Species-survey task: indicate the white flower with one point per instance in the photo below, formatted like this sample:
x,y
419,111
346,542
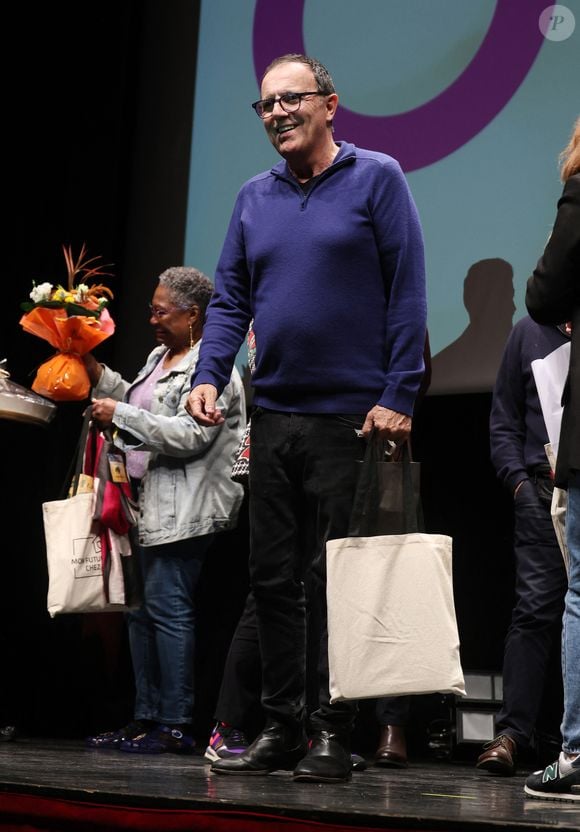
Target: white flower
x,y
41,293
81,293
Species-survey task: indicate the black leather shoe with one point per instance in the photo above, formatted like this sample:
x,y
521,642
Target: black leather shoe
x,y
328,759
358,762
277,747
499,756
392,749
8,733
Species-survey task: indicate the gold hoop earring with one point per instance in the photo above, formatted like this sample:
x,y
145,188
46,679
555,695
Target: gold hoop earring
x,y
191,341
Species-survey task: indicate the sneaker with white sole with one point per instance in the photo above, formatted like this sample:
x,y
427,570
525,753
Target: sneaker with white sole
x,y
558,781
225,741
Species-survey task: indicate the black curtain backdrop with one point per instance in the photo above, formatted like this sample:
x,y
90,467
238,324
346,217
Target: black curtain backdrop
x,y
69,134
98,116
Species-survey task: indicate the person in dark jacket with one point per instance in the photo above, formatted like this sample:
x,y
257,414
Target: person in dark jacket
x,y
518,436
553,294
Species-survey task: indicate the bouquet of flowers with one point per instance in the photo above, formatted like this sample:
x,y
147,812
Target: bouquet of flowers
x,y
74,320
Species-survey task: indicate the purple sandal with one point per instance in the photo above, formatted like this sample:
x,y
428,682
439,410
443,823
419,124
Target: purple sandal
x,y
159,740
113,739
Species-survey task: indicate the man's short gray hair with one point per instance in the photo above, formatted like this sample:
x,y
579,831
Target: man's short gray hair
x,y
322,76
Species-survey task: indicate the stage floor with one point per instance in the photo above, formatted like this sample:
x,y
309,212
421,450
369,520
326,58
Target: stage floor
x,y
427,795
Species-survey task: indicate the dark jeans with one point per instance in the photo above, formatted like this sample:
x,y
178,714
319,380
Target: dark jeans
x,y
536,621
162,630
302,479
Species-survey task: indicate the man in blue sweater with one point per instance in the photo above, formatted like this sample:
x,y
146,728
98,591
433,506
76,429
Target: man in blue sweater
x,y
325,253
517,438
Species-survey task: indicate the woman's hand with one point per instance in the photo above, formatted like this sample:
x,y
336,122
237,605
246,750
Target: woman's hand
x,y
103,411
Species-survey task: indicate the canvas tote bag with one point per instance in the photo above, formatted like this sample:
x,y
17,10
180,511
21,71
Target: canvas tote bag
x,y
392,628
74,536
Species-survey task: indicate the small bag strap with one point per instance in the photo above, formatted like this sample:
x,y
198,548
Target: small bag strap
x,y
412,503
366,500
71,482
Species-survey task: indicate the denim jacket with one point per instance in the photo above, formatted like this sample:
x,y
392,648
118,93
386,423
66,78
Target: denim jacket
x,y
187,490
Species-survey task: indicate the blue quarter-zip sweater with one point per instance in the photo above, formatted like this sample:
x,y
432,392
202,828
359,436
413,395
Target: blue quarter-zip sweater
x,y
335,282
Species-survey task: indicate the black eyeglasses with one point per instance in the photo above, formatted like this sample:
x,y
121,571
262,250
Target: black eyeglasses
x,y
289,101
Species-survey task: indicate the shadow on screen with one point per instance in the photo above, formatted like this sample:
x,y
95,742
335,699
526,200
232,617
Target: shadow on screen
x,y
470,363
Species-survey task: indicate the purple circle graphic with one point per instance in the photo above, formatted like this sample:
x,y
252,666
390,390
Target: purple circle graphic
x,y
428,133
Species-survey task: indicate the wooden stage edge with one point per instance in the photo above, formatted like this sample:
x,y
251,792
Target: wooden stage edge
x,y
39,774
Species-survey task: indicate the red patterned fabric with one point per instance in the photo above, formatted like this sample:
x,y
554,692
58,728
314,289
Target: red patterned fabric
x,y
29,813
113,505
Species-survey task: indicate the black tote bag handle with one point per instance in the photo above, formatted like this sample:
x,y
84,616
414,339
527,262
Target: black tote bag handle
x,y
71,483
365,515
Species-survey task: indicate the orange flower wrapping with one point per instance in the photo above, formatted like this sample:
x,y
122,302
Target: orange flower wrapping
x,y
64,377
74,320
